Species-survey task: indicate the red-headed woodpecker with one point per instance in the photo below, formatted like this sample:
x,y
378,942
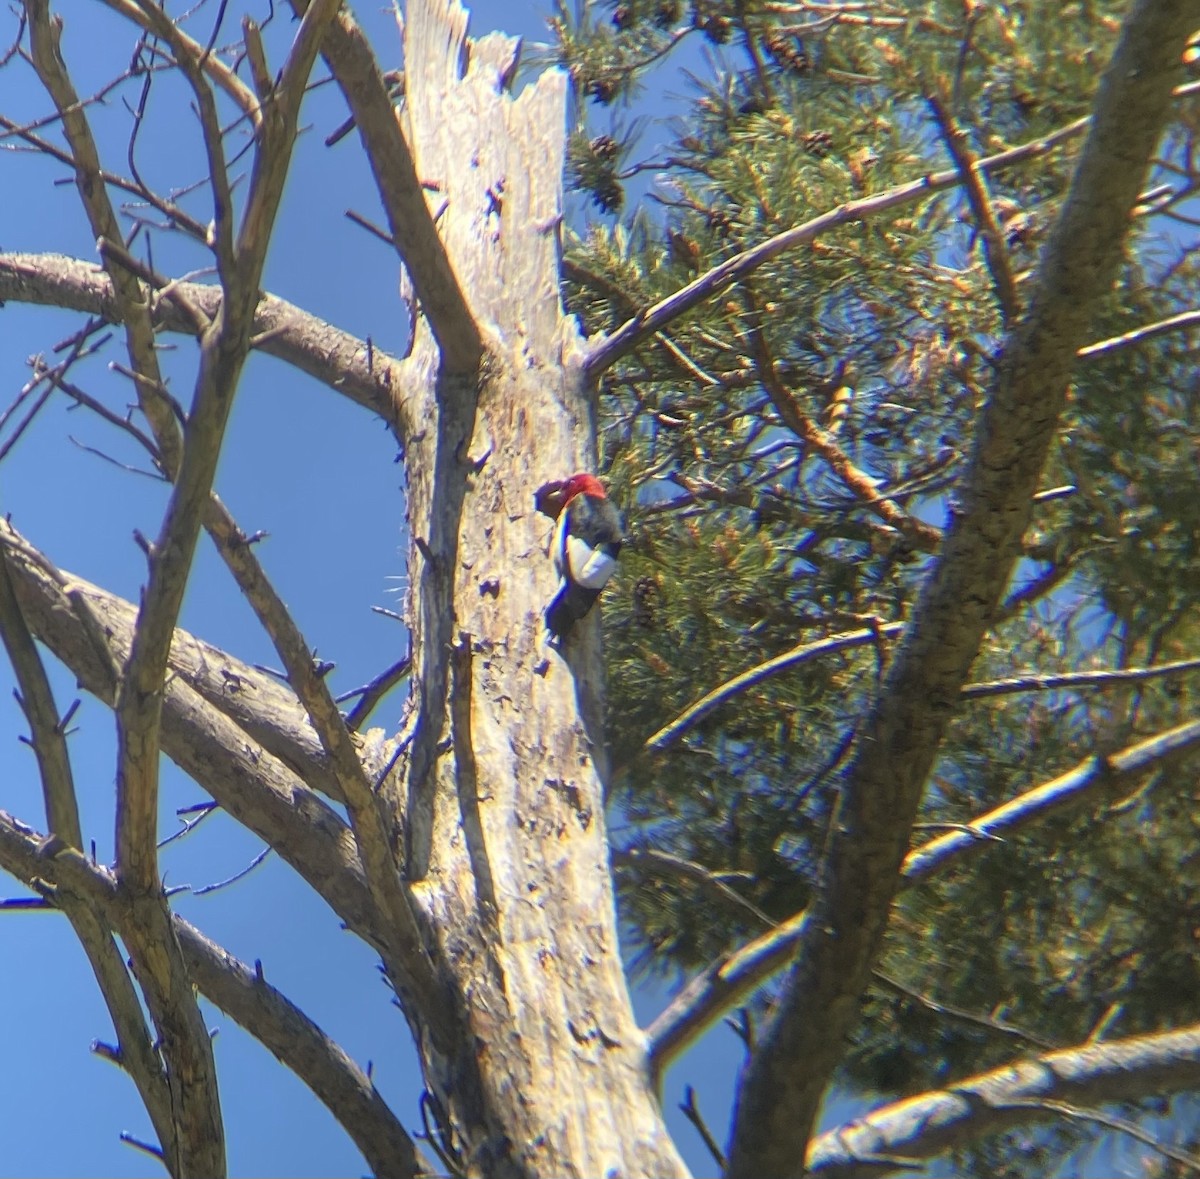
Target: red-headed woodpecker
x,y
587,539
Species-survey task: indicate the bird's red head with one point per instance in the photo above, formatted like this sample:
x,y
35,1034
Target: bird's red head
x,y
583,484
552,497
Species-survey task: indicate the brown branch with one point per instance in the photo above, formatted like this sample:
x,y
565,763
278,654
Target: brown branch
x,y
279,1025
188,56
137,1054
691,1111
923,1127
115,252
672,732
730,980
197,1139
804,1040
224,345
47,731
179,217
652,319
145,17
407,959
129,300
652,859
862,486
1035,589
974,183
343,362
90,630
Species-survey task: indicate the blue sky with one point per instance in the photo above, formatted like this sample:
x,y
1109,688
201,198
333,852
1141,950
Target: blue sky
x,y
319,476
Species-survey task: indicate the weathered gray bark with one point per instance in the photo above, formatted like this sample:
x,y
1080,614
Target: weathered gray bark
x,y
502,794
1068,1083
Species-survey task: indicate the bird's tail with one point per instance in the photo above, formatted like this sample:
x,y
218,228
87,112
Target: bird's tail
x,y
570,604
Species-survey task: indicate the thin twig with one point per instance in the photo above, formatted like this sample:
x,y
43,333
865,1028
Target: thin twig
x,y
656,859
995,251
189,825
988,1022
205,889
371,694
1120,1125
691,1111
1111,677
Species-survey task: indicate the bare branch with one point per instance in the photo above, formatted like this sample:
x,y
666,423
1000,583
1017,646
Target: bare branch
x,y
921,1128
129,299
47,733
240,874
78,622
352,62
197,1142
281,329
653,859
691,1111
216,70
238,990
277,1023
48,738
672,732
369,695
974,183
1181,322
975,1019
407,959
222,355
863,486
1116,770
188,55
1077,679
1109,1121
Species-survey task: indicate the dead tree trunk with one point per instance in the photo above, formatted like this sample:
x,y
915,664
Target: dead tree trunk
x,y
498,797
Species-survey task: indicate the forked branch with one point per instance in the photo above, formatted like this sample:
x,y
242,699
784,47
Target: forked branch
x,y
77,886
410,220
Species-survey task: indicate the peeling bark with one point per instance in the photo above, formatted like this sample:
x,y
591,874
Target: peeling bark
x,y
503,793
